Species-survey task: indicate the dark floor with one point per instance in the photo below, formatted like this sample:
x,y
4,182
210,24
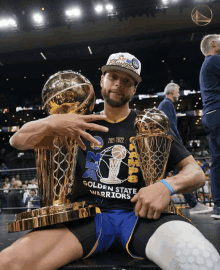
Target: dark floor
x,y
116,259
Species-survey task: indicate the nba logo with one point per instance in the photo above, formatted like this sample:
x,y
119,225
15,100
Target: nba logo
x,y
97,147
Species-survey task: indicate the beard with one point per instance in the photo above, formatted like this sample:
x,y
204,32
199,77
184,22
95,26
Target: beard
x,y
114,103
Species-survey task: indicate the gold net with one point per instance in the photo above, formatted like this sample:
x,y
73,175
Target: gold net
x,y
153,152
56,170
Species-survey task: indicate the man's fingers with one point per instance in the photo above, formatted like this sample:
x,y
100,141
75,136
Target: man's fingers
x,y
134,199
92,126
89,137
93,117
143,211
80,143
137,208
156,215
150,214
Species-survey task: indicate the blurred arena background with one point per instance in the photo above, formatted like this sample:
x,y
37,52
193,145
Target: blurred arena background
x,y
38,39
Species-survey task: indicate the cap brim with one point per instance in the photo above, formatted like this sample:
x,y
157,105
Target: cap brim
x,y
130,72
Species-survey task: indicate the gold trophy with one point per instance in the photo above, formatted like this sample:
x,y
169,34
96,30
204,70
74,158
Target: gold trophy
x,y
152,145
65,92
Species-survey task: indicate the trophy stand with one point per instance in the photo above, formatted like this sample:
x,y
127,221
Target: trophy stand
x,y
152,145
65,92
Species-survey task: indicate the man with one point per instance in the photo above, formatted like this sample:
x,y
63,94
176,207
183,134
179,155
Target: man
x,y
209,80
7,181
12,182
25,193
32,200
171,92
142,230
4,172
32,185
15,199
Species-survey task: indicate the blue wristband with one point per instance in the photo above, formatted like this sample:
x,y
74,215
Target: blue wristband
x,y
168,186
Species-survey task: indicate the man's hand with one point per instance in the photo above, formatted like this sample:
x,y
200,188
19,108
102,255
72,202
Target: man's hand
x,y
151,201
40,133
74,126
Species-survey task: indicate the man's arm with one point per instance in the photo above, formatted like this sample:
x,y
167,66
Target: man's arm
x,y
214,63
189,178
31,135
168,110
40,133
19,202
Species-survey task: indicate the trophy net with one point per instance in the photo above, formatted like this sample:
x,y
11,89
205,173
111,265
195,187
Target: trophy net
x,y
153,152
57,166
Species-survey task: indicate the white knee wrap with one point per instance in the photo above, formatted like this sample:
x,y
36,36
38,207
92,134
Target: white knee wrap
x,y
177,245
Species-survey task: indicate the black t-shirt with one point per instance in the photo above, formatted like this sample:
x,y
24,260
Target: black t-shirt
x,y
109,175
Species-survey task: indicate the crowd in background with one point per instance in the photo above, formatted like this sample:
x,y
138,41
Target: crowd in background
x,y
19,196
11,99
203,195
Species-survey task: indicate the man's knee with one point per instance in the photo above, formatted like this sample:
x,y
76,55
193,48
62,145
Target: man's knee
x,y
10,260
38,249
179,245
19,255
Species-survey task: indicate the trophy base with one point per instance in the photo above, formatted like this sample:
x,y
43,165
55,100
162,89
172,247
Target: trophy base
x,y
50,215
172,209
110,181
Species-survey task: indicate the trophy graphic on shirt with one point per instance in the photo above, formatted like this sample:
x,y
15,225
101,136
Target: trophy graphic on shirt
x,y
118,154
65,92
152,145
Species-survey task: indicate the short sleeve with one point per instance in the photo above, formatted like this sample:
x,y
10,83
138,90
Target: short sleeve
x,y
177,152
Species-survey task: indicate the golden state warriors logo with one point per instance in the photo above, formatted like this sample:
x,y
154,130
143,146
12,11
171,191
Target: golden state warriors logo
x,y
97,147
135,63
202,15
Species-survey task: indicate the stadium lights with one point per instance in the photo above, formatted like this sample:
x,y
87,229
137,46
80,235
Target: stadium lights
x,y
90,50
43,57
109,7
99,8
75,12
5,23
38,18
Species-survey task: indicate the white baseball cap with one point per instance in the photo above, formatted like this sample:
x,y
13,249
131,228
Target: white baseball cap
x,y
124,62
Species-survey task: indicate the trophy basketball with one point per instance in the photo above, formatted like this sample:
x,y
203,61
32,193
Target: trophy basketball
x,y
152,145
65,92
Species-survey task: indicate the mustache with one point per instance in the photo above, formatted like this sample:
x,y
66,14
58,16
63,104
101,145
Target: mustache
x,y
117,92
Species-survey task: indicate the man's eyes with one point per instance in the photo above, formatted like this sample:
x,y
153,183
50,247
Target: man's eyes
x,y
114,77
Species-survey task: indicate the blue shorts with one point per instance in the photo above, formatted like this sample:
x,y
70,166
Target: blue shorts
x,y
113,227
117,227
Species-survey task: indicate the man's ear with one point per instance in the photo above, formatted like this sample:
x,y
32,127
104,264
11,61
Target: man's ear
x,y
135,89
102,80
213,43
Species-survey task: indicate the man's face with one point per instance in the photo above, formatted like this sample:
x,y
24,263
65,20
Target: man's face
x,y
176,94
118,87
32,193
216,45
